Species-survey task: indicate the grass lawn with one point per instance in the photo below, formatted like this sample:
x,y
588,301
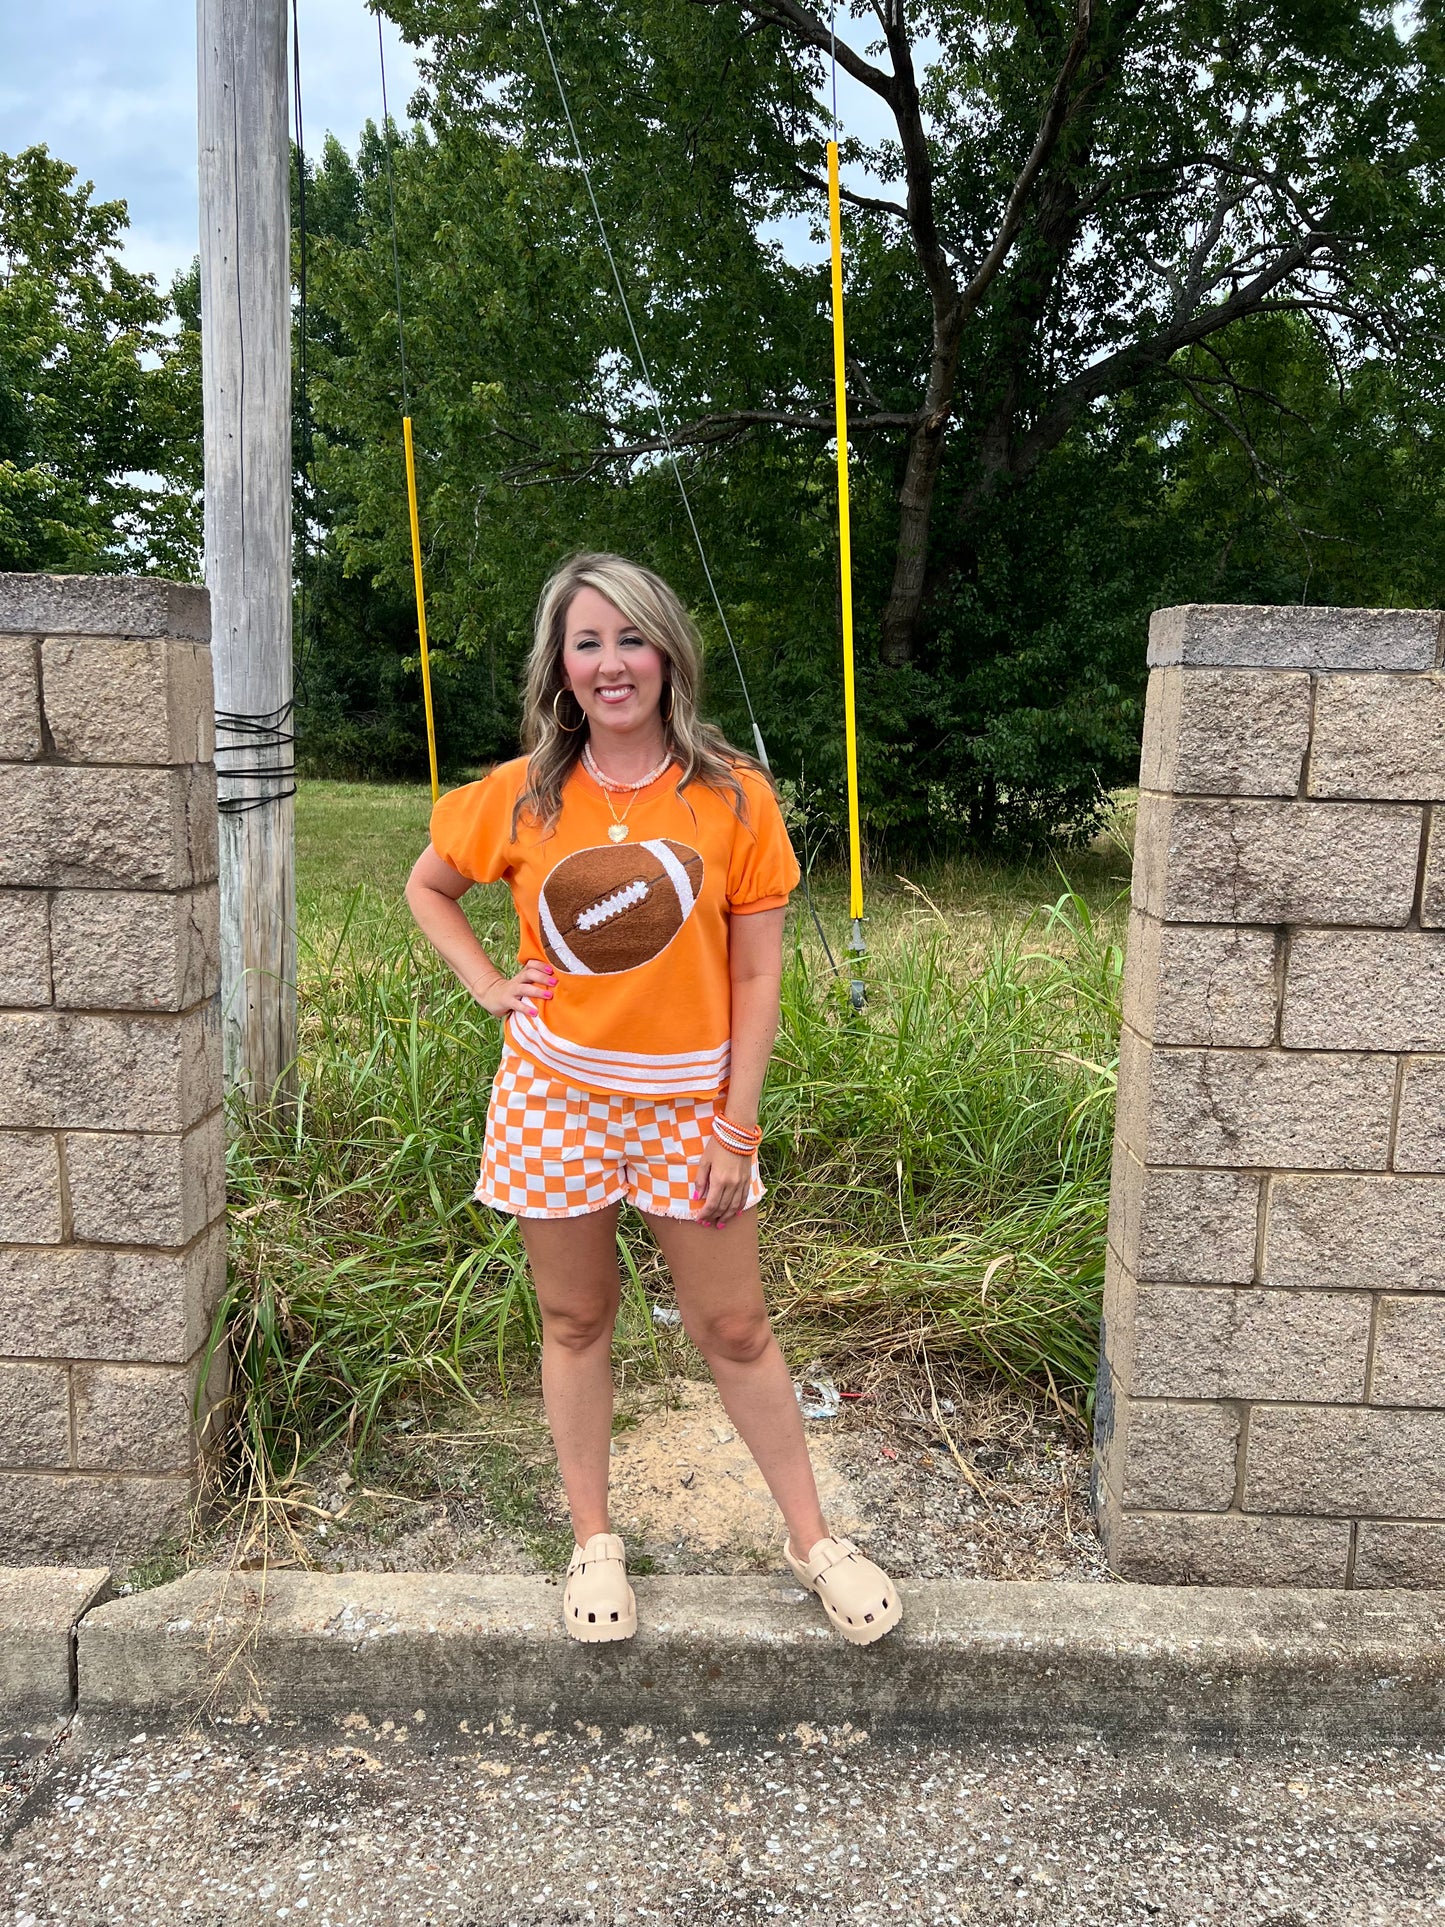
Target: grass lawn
x,y
937,1166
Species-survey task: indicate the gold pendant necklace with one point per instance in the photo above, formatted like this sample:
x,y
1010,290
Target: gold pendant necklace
x,y
617,828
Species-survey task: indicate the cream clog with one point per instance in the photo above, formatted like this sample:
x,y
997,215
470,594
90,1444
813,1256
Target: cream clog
x,y
597,1602
859,1597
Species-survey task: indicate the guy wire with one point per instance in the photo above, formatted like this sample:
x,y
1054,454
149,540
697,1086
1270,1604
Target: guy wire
x,y
647,378
408,452
667,441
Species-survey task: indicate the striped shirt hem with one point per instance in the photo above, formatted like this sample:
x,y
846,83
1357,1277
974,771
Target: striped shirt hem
x,y
635,1073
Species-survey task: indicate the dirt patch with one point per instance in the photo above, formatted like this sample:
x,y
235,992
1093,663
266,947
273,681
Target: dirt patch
x,y
684,1484
994,1485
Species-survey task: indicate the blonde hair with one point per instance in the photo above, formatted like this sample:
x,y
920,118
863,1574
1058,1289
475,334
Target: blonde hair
x,y
646,600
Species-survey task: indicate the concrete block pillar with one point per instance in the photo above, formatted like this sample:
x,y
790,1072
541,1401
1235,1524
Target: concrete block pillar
x,y
1271,1399
112,1135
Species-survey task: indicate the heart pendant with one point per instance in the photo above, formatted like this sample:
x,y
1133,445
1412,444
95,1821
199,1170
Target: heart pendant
x,y
617,831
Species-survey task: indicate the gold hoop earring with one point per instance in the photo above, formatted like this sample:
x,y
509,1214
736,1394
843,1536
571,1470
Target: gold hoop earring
x,y
671,704
569,729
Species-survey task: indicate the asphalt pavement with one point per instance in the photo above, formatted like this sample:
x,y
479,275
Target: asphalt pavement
x,y
401,1824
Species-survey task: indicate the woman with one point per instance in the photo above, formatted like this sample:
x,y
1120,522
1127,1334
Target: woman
x,y
651,871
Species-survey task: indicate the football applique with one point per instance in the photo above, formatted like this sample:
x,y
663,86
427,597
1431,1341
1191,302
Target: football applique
x,y
617,906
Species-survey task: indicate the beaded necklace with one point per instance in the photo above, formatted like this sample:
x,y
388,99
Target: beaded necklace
x,y
617,829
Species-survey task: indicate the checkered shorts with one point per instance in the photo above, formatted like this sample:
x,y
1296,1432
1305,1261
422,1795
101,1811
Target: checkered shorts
x,y
554,1152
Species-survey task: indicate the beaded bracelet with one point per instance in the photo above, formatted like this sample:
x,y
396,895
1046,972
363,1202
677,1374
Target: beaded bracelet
x,y
741,1139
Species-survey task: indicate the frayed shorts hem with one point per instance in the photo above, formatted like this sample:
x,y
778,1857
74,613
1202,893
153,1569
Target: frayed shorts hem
x,y
684,1215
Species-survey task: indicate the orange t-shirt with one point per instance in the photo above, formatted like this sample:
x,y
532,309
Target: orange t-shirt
x,y
637,930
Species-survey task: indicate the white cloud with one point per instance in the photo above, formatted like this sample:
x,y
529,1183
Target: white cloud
x,y
110,86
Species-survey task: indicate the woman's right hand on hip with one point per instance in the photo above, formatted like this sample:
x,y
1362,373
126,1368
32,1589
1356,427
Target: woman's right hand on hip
x,y
532,986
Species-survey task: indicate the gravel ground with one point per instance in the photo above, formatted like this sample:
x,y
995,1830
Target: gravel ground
x,y
998,1490
510,1828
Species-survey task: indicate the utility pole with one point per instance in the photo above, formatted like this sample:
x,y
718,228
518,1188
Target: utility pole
x,y
246,384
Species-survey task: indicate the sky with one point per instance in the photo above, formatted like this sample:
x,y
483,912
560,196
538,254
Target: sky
x,y
110,86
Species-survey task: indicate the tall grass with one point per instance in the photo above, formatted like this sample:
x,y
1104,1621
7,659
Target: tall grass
x,y
940,1162
938,1168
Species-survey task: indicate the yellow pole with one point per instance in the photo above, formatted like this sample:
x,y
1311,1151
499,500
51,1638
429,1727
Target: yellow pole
x,y
431,733
845,566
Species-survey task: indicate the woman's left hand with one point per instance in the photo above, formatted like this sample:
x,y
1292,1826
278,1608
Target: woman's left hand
x,y
719,1185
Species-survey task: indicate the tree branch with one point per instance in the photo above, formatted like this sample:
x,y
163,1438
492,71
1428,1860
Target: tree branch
x,y
709,431
1228,379
1128,365
1050,127
917,165
807,26
865,201
871,205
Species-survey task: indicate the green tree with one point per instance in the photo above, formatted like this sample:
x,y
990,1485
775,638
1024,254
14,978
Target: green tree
x,y
100,452
1294,478
1095,208
360,707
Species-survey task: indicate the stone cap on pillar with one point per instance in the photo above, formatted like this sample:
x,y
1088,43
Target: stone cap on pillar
x,y
103,605
1245,636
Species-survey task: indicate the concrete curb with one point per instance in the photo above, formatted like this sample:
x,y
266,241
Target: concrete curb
x,y
39,1609
972,1656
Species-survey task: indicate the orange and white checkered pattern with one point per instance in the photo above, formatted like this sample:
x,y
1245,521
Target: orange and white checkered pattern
x,y
554,1152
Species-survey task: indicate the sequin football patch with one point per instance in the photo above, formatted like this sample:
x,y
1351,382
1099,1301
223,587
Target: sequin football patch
x,y
615,906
